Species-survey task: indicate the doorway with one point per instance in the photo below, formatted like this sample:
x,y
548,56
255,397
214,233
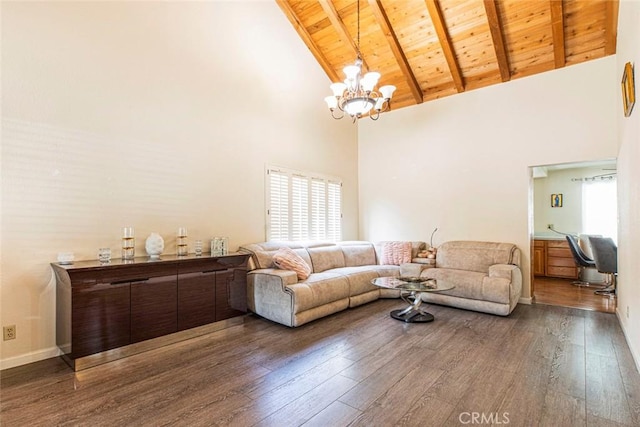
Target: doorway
x,y
577,199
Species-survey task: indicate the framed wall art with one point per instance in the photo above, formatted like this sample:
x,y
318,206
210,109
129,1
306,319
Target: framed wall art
x,y
556,200
628,89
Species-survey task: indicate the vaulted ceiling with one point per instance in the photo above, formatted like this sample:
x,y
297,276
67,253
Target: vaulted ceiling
x,y
430,49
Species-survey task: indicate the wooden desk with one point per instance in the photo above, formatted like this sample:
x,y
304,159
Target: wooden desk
x,y
553,258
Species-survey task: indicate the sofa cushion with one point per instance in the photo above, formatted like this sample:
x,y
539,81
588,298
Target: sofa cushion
x,y
319,289
358,253
471,284
262,253
359,278
325,258
286,259
395,253
416,247
386,270
474,256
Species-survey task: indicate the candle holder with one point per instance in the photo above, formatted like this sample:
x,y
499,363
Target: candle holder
x,y
181,242
128,243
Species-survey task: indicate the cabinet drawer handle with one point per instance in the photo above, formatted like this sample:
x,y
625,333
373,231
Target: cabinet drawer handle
x,y
120,282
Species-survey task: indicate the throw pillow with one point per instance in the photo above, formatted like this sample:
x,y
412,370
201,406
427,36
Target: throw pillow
x,y
286,259
396,253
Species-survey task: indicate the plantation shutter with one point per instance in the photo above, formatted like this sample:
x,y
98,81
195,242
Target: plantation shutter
x,y
303,206
334,211
278,206
299,208
318,209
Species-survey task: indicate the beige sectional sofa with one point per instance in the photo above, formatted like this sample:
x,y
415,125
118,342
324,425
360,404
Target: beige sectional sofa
x,y
341,278
487,274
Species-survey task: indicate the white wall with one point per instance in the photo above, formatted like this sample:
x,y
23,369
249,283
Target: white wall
x,y
461,163
568,218
628,50
149,114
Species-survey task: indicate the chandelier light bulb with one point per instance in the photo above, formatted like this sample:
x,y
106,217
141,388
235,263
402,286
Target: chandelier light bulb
x,y
351,71
370,80
387,91
338,89
332,102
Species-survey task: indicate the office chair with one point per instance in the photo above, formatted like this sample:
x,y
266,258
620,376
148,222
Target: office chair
x,y
605,255
581,260
591,274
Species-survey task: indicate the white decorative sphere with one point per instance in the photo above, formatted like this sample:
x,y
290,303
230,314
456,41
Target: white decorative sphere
x,y
154,245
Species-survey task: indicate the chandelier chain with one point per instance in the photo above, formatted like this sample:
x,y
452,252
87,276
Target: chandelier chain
x,y
358,19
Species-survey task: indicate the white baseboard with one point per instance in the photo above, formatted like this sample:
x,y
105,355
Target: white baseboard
x,y
34,356
636,358
526,301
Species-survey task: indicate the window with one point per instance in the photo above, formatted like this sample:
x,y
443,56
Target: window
x,y
303,206
599,208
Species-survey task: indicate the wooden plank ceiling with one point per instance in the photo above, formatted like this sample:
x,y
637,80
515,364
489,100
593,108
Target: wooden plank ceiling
x,y
430,49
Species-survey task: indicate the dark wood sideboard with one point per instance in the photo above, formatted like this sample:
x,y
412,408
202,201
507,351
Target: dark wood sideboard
x,y
108,311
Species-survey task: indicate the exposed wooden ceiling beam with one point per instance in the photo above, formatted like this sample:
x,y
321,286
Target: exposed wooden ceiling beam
x,y
447,48
306,37
557,28
445,42
611,30
340,28
495,28
394,44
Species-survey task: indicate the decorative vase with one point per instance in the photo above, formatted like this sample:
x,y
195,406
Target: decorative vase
x,y
154,245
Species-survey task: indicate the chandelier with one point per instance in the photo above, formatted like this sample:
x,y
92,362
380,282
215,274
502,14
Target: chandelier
x,y
356,96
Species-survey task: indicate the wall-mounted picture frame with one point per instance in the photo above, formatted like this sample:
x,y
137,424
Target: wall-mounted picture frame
x,y
628,89
556,200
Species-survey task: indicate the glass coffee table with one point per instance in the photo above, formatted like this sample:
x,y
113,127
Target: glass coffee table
x,y
411,290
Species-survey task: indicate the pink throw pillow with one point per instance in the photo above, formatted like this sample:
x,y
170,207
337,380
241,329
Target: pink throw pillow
x,y
396,253
286,259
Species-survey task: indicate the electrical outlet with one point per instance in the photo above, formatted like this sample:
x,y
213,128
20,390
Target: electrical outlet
x,y
550,226
9,332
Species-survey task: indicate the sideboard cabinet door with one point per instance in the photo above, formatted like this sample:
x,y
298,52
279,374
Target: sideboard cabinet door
x,y
196,299
231,293
154,307
100,318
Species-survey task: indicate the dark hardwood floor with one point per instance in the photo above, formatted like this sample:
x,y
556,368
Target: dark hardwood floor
x,y
561,292
542,365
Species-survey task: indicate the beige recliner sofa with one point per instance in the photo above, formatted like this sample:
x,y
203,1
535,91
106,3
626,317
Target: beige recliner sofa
x,y
486,277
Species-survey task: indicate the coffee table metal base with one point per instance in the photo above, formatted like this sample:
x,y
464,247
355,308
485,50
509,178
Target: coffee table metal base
x,y
412,316
413,313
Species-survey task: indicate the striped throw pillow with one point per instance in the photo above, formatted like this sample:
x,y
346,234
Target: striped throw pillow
x,y
286,259
396,253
